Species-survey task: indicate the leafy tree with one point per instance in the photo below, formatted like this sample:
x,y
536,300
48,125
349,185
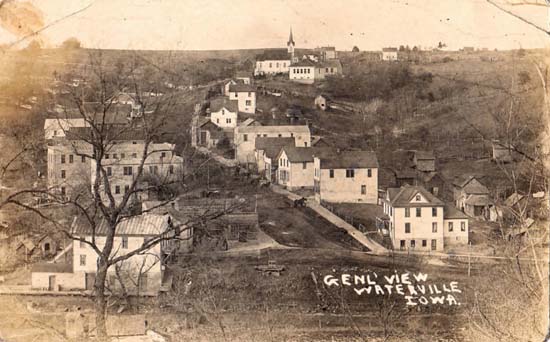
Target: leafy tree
x,y
355,49
71,44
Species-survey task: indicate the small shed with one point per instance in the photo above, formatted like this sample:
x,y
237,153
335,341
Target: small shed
x,y
502,153
322,102
424,161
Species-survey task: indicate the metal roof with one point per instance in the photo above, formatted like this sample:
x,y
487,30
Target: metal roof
x,y
142,225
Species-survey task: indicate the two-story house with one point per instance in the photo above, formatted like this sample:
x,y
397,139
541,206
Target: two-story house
x,y
245,95
296,166
420,221
346,177
143,271
245,138
224,112
267,149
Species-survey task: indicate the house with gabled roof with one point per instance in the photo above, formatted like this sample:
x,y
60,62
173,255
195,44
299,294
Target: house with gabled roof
x,y
346,177
424,161
389,54
472,197
273,62
418,220
224,112
245,138
245,95
131,233
296,166
267,149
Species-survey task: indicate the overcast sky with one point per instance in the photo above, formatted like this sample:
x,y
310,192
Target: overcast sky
x,y
236,24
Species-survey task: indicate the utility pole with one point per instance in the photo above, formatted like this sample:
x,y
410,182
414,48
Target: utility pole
x,y
469,258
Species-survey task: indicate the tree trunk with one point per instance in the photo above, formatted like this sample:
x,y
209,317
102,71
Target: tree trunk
x,y
101,301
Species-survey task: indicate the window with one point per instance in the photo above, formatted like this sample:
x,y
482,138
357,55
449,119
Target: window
x,y
107,156
228,120
109,171
122,156
236,95
363,189
418,198
163,154
434,212
424,243
115,156
63,191
248,103
125,242
407,212
127,171
82,243
171,169
434,245
369,173
83,159
117,189
71,159
134,155
434,227
305,144
402,244
126,189
271,65
223,111
407,228
418,212
83,260
63,174
350,173
462,226
218,121
331,173
249,94
304,165
413,243
245,137
450,226
62,159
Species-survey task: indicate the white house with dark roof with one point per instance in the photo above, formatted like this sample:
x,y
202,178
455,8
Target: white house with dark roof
x,y
145,269
296,166
346,177
245,95
308,71
273,62
267,150
420,221
389,54
224,112
245,138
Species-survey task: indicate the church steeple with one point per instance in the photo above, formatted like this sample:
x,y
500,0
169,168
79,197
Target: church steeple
x,y
290,39
290,46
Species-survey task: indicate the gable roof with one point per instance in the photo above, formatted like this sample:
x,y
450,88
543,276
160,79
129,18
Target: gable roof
x,y
142,225
403,196
305,154
450,212
275,129
274,55
241,88
220,102
424,155
272,146
349,159
390,49
304,63
248,122
471,185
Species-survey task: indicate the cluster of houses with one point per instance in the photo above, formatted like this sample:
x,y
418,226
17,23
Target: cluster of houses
x,y
71,171
310,67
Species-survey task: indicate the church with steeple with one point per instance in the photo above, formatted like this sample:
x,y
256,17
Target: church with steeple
x,y
277,61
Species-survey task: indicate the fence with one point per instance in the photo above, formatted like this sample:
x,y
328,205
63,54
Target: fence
x,y
348,218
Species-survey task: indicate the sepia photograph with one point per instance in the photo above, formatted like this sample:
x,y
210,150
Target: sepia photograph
x,y
274,170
